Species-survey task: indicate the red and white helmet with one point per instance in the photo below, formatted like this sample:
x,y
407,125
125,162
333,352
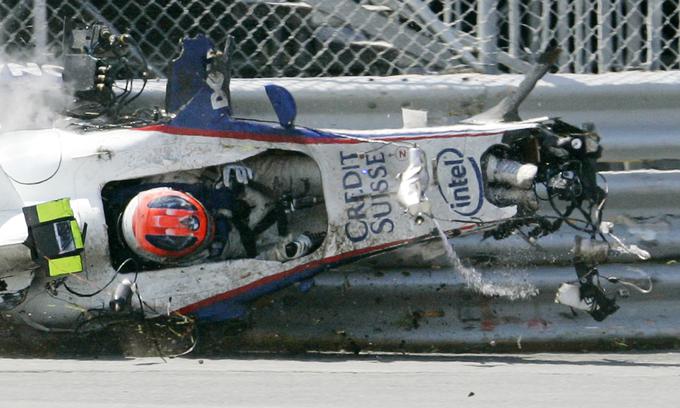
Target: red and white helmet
x,y
166,226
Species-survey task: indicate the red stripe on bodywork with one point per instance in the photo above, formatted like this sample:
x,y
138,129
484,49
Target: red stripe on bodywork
x,y
282,275
273,138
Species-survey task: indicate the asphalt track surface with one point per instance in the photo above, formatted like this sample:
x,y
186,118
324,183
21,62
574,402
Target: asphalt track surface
x,y
535,380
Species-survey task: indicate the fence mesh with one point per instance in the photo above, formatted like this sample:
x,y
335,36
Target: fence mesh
x,y
370,37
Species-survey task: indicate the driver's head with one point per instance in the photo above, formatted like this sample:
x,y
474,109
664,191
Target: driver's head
x,y
166,226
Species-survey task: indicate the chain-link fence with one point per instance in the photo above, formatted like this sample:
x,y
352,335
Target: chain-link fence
x,y
371,37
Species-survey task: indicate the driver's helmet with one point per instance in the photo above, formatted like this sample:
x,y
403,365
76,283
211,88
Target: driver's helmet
x,y
166,226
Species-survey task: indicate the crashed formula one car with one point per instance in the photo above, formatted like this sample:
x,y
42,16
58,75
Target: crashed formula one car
x,y
191,211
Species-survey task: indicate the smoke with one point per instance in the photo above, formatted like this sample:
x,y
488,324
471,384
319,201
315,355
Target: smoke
x,y
31,95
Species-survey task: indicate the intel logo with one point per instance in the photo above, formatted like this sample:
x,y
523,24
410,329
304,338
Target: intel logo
x,y
460,182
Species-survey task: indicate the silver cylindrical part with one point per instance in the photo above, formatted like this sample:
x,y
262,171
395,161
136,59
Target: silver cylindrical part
x,y
590,251
510,172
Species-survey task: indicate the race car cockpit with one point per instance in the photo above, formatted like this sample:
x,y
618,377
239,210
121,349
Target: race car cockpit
x,y
268,207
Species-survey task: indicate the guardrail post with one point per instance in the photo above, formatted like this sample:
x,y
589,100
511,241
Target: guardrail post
x,y
447,5
562,30
580,43
546,31
487,32
40,28
604,34
635,23
654,26
514,28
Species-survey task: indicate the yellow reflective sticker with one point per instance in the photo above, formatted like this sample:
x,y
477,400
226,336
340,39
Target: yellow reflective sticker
x,y
53,210
77,236
65,266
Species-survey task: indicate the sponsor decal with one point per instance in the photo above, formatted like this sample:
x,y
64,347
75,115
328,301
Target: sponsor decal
x,y
366,187
29,71
218,98
460,182
402,154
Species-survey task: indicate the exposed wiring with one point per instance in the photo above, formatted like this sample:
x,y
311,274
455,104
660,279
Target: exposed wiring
x,y
98,291
111,98
629,284
152,329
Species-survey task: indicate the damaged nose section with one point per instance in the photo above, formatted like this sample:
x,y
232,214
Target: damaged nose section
x,y
413,183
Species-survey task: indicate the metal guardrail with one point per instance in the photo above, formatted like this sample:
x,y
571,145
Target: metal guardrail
x,y
403,306
643,205
406,307
634,112
433,310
